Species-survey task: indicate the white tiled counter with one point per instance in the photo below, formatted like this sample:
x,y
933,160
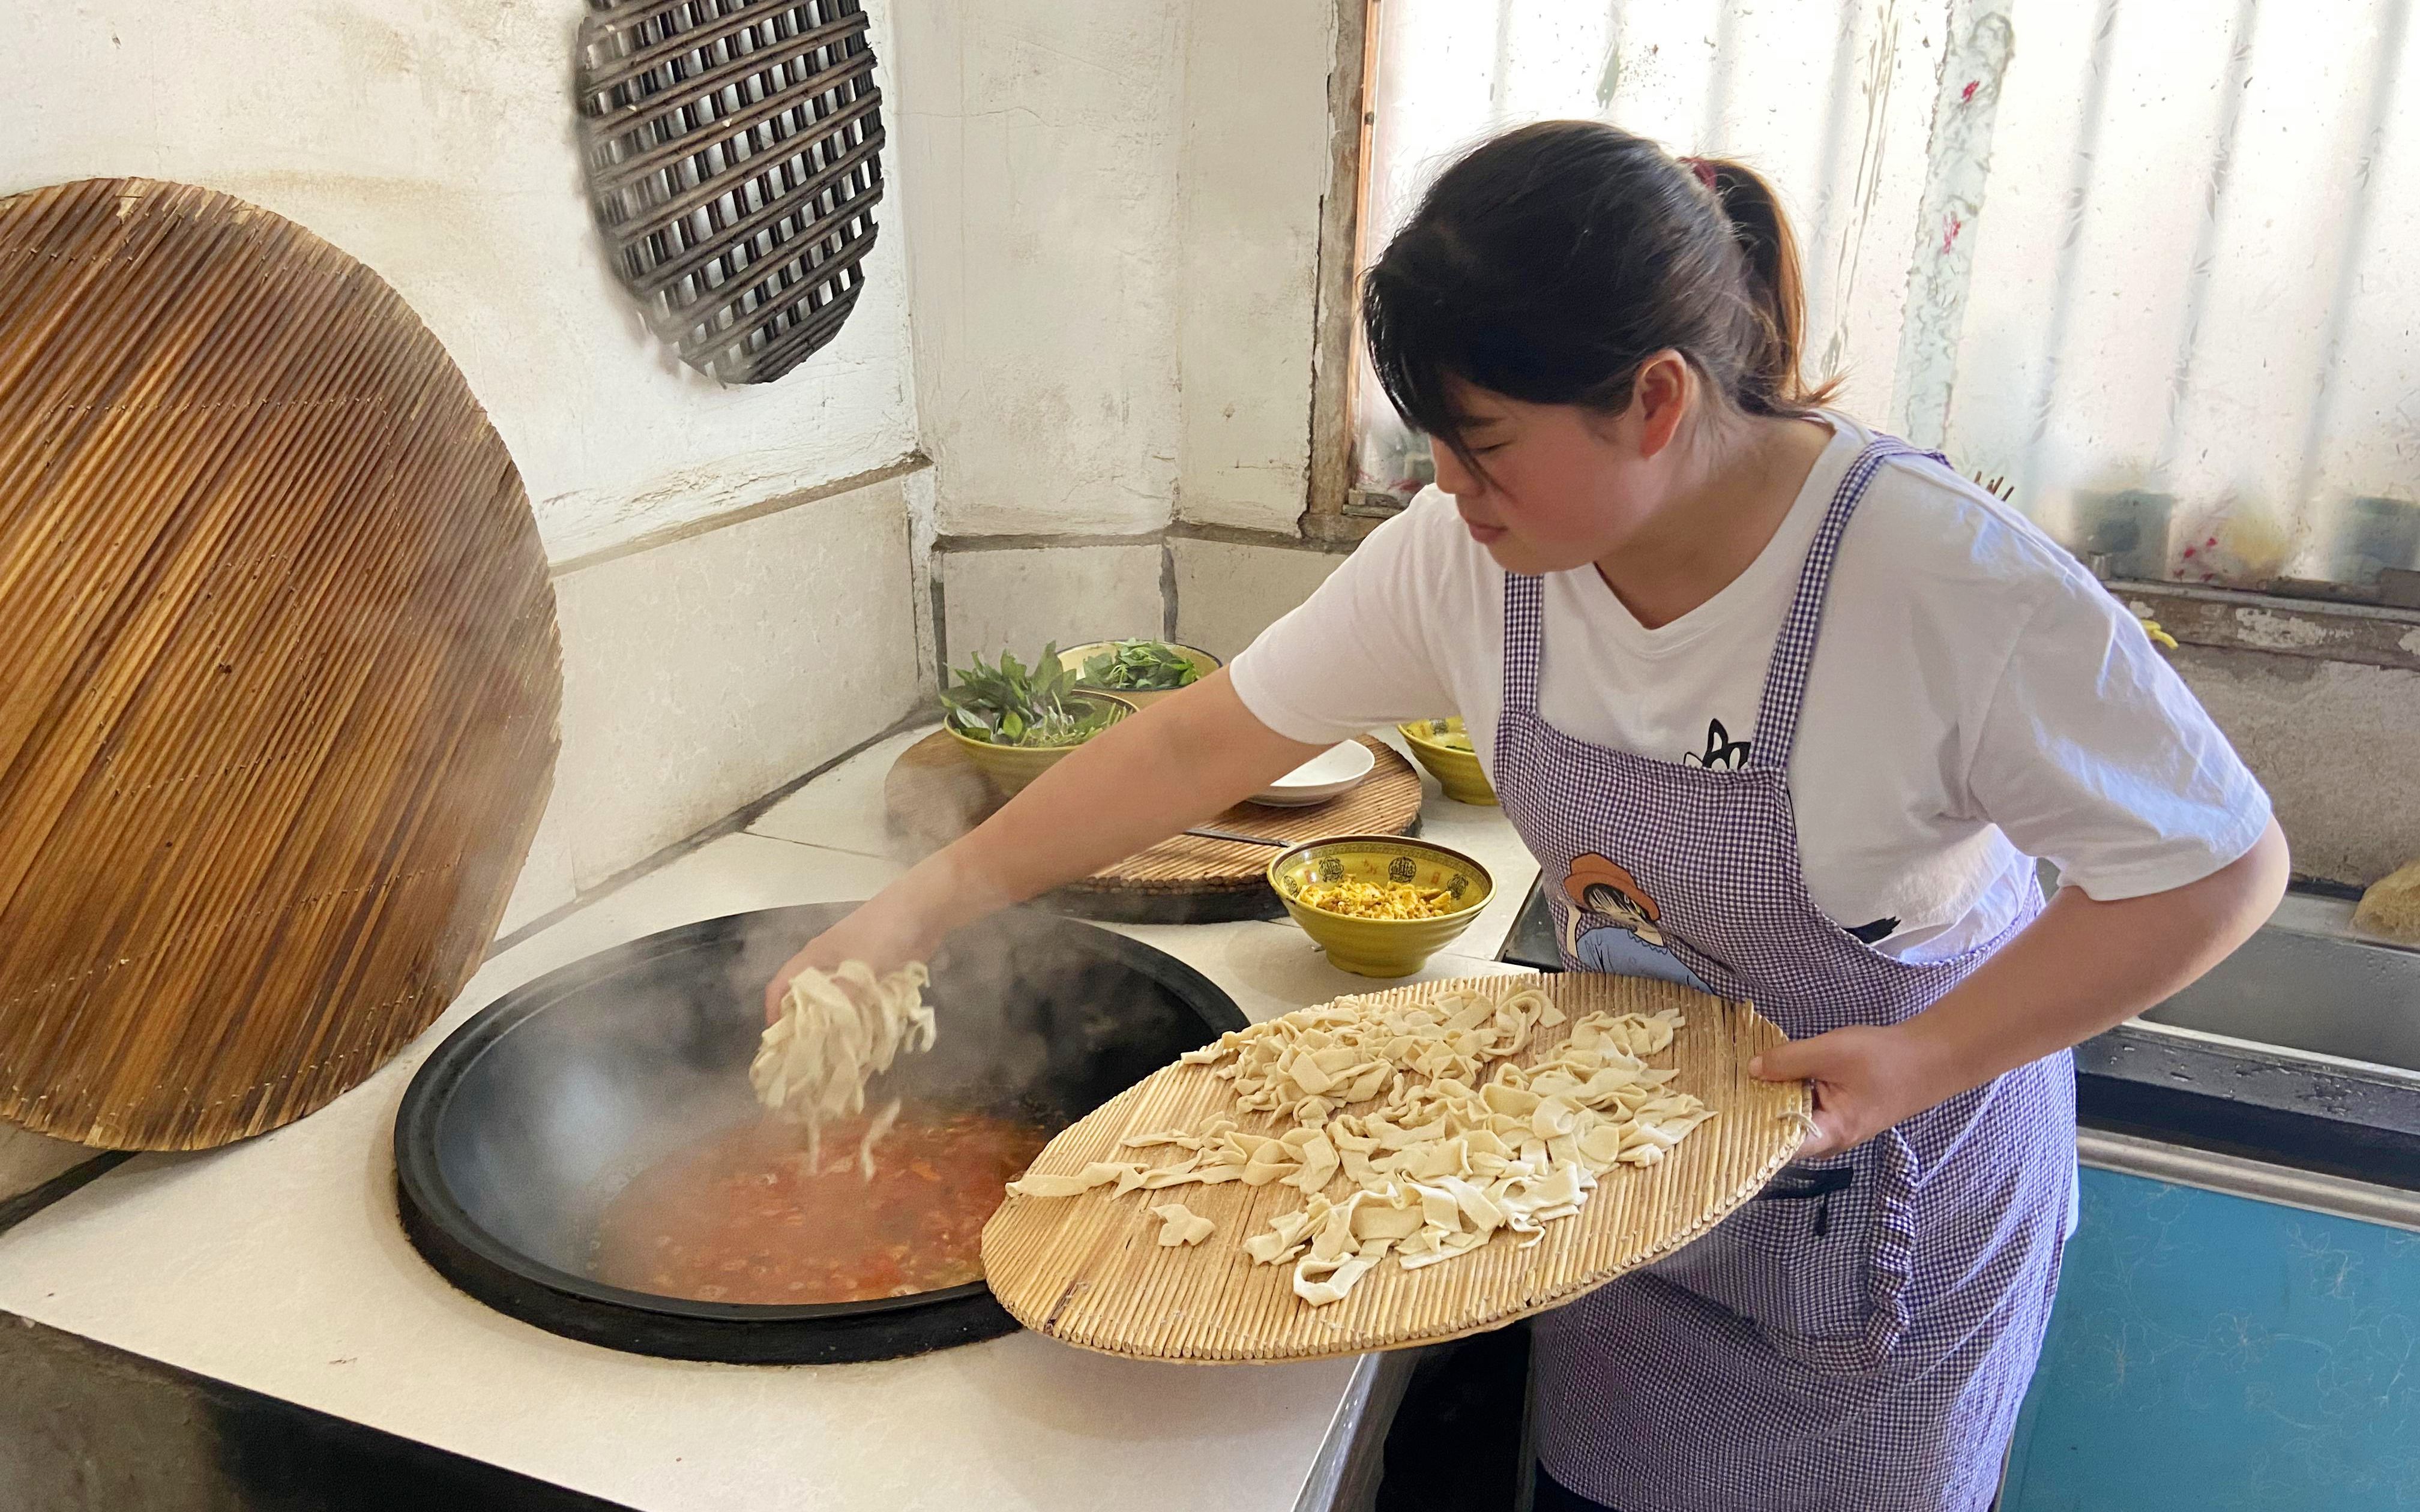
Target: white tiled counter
x,y
279,1266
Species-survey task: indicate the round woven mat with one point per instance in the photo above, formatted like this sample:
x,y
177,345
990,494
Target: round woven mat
x,y
1088,1270
933,794
282,674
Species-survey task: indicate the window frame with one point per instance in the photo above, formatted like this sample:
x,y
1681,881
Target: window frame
x,y
1334,513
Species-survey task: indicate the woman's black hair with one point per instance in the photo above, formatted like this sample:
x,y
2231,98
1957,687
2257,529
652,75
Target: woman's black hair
x,y
1548,263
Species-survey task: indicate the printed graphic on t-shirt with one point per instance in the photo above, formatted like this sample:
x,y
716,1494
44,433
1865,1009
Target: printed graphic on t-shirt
x,y
1722,754
1612,925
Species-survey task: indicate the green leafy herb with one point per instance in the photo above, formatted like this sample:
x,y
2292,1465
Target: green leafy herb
x,y
1012,705
1140,667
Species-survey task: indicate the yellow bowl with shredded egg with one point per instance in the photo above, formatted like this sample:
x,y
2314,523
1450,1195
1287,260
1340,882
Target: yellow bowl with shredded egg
x,y
1380,906
1443,747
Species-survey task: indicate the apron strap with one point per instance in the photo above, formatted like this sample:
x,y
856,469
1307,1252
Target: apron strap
x,y
1523,611
1794,654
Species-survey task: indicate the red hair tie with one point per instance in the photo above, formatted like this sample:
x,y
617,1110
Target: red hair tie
x,y
1704,170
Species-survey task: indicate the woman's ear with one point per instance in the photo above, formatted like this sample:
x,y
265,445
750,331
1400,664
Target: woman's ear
x,y
1659,400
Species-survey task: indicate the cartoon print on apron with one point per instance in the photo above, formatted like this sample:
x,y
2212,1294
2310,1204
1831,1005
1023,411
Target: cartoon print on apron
x,y
1860,1334
1609,925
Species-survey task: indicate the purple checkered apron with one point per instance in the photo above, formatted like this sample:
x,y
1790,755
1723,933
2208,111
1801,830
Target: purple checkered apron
x,y
1859,1335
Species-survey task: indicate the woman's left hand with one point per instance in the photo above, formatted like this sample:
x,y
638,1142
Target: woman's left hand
x,y
1866,1080
2081,967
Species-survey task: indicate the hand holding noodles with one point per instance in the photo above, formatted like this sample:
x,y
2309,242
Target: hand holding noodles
x,y
836,1032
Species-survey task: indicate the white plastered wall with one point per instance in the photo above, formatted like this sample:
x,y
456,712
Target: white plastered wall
x,y
1114,210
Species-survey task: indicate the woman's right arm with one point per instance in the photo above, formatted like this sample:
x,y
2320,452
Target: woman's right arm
x,y
1171,767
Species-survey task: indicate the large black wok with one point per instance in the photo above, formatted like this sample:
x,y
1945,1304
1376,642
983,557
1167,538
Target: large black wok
x,y
530,1118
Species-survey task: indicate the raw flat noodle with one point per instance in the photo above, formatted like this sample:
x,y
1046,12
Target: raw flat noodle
x,y
1440,1160
837,1031
1181,1224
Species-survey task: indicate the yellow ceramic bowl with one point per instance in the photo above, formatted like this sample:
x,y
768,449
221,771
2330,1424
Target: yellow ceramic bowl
x,y
1074,658
1011,767
1457,771
1380,947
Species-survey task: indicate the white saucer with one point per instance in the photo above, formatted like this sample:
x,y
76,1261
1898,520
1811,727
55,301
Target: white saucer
x,y
1337,769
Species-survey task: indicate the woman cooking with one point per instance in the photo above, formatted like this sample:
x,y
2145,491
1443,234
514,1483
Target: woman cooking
x,y
1783,707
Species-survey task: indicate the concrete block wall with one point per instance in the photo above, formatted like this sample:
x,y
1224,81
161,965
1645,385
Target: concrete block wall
x,y
2322,700
1115,212
1227,592
1212,590
701,672
2337,745
1019,597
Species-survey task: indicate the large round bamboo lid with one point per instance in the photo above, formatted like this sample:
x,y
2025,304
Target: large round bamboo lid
x,y
283,678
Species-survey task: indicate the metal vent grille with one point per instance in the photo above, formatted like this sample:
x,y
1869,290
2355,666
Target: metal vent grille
x,y
733,153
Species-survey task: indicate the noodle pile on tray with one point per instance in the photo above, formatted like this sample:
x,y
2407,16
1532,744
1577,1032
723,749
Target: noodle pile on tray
x,y
837,1031
1440,1161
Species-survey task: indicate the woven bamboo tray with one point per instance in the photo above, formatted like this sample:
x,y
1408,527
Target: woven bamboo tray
x,y
1088,1270
280,710
933,794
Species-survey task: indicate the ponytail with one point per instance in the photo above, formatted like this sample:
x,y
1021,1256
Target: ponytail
x,y
1549,263
1772,377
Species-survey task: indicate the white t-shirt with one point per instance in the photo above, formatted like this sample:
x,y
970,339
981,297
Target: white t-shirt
x,y
1976,698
